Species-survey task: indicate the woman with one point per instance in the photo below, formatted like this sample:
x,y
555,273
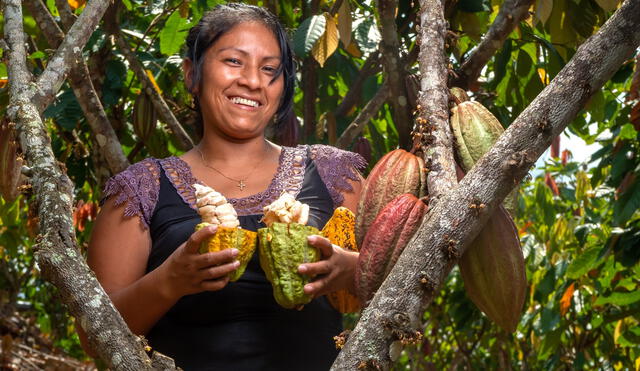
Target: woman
x,y
240,71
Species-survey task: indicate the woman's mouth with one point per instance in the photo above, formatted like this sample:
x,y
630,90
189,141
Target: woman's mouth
x,y
245,101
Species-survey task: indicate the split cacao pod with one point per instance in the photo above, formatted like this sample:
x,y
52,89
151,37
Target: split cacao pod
x,y
493,271
475,130
283,247
226,238
10,162
396,173
340,231
387,237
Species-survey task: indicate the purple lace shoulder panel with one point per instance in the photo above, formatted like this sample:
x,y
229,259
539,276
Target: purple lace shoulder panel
x,y
138,187
335,167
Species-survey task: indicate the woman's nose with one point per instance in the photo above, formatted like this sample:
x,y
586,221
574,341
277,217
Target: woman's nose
x,y
250,77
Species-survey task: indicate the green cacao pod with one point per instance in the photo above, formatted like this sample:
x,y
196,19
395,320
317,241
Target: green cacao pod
x,y
145,118
226,238
10,162
475,130
396,173
387,237
493,271
283,247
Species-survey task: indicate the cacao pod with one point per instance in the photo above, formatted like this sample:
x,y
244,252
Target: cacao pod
x,y
340,231
226,238
10,162
459,95
493,271
475,130
145,118
283,247
363,148
396,173
387,237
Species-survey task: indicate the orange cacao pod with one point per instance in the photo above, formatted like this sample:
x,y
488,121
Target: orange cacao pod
x,y
385,240
340,231
10,162
396,173
493,271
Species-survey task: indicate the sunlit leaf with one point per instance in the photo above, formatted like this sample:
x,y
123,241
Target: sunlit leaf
x,y
310,30
153,81
75,4
627,204
173,34
543,10
583,262
367,35
327,43
565,301
619,298
344,23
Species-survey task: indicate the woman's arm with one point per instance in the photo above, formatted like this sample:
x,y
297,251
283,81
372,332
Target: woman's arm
x,y
118,254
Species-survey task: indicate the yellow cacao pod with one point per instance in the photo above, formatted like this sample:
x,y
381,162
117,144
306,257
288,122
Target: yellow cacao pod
x,y
226,238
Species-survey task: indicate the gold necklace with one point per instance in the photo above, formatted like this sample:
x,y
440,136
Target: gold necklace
x,y
241,182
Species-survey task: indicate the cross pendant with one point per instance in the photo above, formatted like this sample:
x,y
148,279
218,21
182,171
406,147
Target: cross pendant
x,y
241,185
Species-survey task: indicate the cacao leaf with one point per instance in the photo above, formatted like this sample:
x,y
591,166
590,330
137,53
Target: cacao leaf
x,y
565,301
327,43
344,23
608,5
173,34
619,298
310,30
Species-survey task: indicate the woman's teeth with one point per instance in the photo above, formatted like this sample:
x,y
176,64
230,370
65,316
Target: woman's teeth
x,y
246,102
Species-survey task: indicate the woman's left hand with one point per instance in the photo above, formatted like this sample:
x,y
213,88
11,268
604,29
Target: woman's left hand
x,y
334,272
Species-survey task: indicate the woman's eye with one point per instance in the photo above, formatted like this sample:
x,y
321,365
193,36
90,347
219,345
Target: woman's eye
x,y
233,60
270,69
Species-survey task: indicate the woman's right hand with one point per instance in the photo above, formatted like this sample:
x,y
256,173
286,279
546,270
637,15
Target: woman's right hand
x,y
187,271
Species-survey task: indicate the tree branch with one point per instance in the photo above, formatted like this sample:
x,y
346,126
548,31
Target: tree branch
x,y
364,116
184,141
423,266
510,14
55,251
395,70
69,52
80,80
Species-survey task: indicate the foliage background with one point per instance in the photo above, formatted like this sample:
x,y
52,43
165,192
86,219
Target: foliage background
x,y
579,222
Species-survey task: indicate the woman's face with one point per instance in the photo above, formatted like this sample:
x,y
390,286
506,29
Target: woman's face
x,y
237,95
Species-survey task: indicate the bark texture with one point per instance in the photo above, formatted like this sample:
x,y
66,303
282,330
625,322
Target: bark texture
x,y
395,310
184,140
510,14
80,80
55,250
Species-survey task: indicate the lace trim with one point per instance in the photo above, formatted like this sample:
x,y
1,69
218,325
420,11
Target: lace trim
x,y
289,177
335,166
137,186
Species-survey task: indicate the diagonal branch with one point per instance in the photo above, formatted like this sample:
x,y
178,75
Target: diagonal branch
x,y
398,305
184,141
364,116
80,80
55,251
69,52
510,14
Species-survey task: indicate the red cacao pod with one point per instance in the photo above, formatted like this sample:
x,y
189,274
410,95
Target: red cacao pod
x,y
396,173
10,162
493,271
387,237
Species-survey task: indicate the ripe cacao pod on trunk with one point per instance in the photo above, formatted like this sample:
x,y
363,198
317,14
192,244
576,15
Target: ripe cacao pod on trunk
x,y
10,162
226,238
387,237
283,247
396,173
493,271
475,130
340,231
459,95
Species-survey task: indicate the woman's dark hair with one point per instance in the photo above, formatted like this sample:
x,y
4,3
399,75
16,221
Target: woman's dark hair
x,y
221,20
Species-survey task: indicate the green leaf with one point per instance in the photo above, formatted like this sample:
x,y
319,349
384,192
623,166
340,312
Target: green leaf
x,y
307,34
627,204
627,131
367,35
474,6
583,262
37,55
608,5
619,298
173,34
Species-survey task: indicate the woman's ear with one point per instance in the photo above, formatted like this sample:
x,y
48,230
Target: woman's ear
x,y
187,67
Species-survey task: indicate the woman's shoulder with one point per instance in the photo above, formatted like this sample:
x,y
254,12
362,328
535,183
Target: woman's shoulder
x,y
337,167
136,188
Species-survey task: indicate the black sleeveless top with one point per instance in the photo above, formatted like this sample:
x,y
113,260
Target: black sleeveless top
x,y
240,327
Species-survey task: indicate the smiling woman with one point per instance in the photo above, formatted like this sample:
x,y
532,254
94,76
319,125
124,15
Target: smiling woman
x,y
240,71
